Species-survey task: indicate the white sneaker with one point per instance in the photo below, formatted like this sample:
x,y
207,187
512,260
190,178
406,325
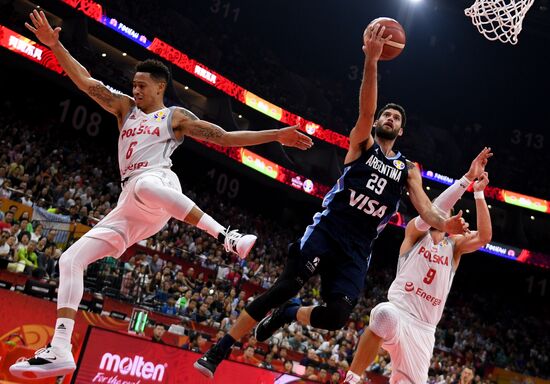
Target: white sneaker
x,y
238,244
47,362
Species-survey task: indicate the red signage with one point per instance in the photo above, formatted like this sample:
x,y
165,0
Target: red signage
x,y
112,357
31,50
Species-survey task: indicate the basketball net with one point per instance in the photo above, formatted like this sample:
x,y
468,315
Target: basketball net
x,y
499,19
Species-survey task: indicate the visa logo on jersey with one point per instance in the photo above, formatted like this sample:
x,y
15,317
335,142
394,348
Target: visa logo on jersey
x,y
366,204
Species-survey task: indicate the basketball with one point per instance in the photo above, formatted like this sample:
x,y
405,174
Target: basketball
x,y
395,46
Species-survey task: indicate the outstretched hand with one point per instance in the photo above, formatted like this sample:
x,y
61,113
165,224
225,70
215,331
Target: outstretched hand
x,y
42,29
456,225
290,136
478,164
482,182
373,42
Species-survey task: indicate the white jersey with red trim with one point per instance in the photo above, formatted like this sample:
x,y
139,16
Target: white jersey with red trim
x,y
424,278
146,141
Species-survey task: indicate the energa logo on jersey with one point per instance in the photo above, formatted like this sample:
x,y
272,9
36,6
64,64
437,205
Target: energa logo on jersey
x,y
134,366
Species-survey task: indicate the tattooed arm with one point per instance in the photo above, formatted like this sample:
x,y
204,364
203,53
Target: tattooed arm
x,y
186,123
116,103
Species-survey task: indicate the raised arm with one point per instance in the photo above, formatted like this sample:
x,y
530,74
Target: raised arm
x,y
430,214
361,135
186,123
474,240
116,103
448,198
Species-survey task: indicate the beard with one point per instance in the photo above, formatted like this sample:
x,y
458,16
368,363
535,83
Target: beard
x,y
382,133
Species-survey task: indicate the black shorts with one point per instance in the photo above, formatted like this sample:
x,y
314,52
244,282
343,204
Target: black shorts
x,y
342,266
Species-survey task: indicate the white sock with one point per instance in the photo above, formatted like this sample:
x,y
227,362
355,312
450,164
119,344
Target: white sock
x,y
352,378
63,332
208,224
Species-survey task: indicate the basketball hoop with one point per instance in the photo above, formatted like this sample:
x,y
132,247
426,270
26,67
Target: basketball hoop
x,y
499,19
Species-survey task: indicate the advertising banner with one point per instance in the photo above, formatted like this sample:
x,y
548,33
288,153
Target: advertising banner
x,y
113,357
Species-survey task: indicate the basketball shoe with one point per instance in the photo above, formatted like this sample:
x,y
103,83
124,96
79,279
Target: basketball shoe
x,y
238,243
47,362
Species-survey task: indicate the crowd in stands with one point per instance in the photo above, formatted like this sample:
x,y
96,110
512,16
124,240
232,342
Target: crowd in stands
x,y
46,171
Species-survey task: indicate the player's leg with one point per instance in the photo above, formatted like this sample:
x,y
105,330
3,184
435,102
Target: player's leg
x,y
383,327
57,359
285,287
161,190
411,358
342,280
313,251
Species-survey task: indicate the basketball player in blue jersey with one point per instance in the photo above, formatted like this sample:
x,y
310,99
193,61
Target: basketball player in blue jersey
x,y
151,194
339,242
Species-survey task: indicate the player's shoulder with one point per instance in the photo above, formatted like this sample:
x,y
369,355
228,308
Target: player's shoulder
x,y
184,113
410,164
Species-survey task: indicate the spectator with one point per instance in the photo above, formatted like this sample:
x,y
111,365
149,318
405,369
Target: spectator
x,y
248,357
36,233
7,221
466,376
4,245
288,367
266,363
158,332
190,310
196,343
202,316
311,359
27,256
309,374
169,308
46,260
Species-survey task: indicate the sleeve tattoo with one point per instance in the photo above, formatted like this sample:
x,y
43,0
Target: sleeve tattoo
x,y
188,114
103,95
206,131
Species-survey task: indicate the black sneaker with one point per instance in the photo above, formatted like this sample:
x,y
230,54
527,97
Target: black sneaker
x,y
269,324
208,363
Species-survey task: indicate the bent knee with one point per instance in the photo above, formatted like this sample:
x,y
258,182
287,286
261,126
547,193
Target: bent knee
x,y
384,321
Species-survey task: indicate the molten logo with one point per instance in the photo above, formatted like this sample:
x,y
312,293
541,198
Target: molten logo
x,y
132,366
409,287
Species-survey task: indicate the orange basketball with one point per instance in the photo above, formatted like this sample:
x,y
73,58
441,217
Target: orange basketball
x,y
395,46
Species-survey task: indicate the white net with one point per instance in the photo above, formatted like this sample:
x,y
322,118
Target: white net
x,y
499,19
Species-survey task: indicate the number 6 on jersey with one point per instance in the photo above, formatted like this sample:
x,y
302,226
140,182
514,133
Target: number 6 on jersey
x,y
131,149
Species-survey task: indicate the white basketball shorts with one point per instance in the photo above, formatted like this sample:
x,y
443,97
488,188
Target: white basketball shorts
x,y
131,220
411,346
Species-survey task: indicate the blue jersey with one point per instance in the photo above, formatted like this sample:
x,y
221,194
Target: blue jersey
x,y
363,200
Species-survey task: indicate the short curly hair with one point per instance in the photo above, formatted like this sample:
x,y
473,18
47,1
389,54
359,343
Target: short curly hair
x,y
158,70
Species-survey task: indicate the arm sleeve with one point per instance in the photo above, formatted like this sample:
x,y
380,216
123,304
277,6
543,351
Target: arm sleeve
x,y
445,201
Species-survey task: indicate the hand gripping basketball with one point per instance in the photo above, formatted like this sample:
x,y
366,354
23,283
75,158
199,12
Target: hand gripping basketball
x,y
373,42
392,34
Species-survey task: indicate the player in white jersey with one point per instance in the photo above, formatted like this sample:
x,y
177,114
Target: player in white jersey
x,y
405,325
151,195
